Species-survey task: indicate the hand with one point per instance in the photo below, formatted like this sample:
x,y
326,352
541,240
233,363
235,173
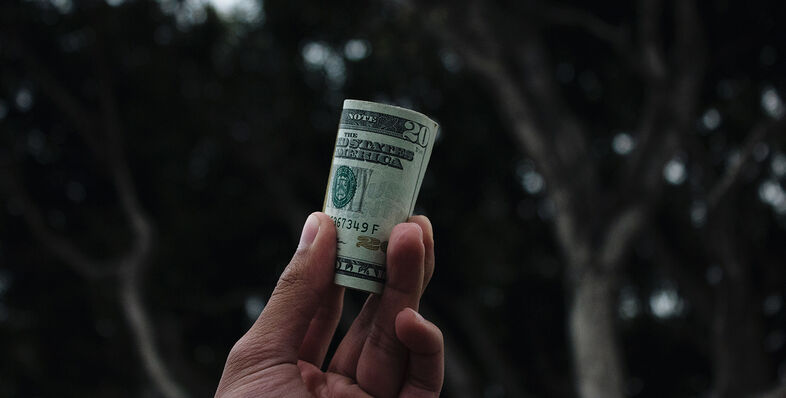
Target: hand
x,y
389,351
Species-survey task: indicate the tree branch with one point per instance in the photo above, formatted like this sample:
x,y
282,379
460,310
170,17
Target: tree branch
x,y
63,248
547,109
142,329
672,95
569,136
690,59
126,268
140,222
619,236
484,59
565,15
63,99
758,134
136,258
652,61
651,66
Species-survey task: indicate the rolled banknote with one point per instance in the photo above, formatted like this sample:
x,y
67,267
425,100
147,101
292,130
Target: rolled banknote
x,y
379,160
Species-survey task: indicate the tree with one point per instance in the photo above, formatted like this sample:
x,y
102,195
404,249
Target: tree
x,y
597,222
606,189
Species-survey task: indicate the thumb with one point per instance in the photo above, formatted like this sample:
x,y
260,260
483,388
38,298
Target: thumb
x,y
300,290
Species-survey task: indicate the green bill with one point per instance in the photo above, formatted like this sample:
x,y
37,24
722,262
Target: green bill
x,y
379,160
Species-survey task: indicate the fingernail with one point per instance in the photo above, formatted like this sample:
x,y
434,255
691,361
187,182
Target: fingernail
x,y
310,230
418,316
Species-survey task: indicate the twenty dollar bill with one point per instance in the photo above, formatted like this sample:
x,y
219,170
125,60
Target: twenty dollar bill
x,y
379,160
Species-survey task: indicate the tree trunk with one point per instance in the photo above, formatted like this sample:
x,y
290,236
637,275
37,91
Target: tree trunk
x,y
740,365
739,360
596,352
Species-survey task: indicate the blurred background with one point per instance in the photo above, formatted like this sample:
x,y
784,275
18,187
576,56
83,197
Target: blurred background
x,y
607,190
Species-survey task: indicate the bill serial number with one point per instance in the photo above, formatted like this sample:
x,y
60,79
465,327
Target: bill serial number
x,y
348,223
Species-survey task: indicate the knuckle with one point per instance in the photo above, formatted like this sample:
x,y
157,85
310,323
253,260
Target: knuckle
x,y
248,353
243,353
288,280
291,285
292,277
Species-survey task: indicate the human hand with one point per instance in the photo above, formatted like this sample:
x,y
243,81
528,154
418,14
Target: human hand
x,y
389,351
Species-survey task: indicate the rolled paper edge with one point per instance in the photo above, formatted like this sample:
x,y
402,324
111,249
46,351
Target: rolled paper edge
x,y
392,109
358,284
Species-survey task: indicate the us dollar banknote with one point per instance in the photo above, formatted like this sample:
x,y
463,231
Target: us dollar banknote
x,y
379,160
